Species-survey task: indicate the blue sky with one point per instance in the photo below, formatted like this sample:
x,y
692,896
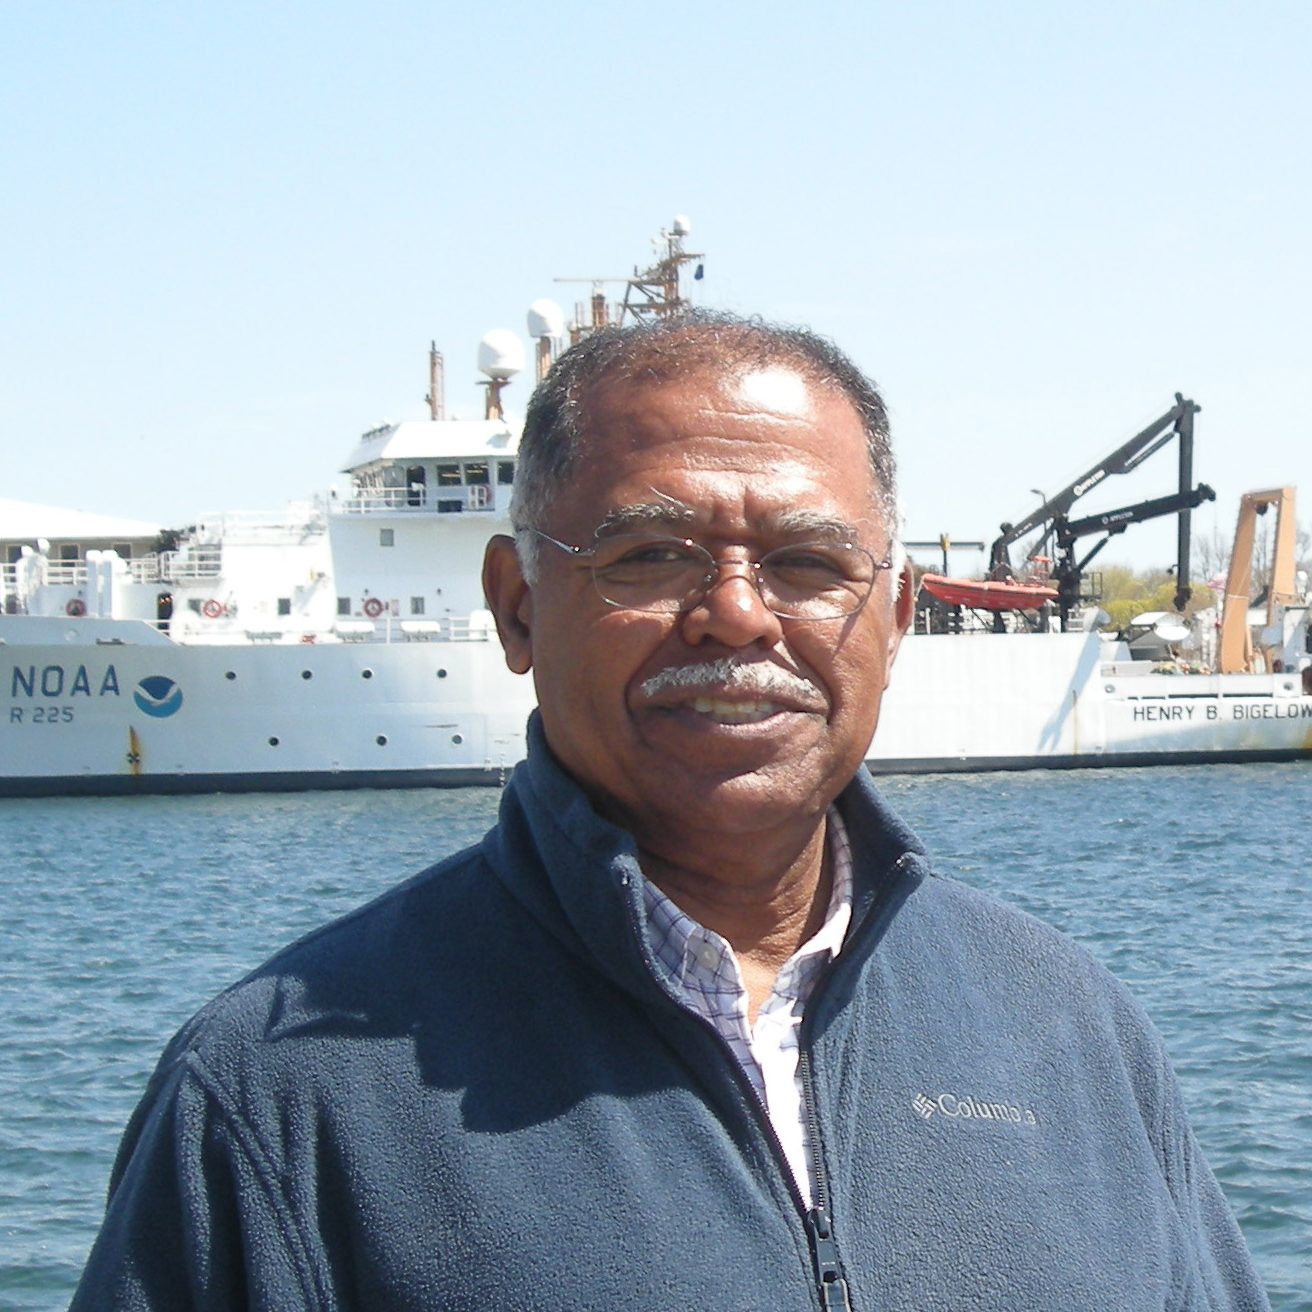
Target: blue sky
x,y
230,232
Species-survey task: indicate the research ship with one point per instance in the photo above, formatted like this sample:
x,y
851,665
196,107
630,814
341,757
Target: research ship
x,y
344,643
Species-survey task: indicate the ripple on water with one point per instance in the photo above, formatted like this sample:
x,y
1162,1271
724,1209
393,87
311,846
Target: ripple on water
x,y
134,912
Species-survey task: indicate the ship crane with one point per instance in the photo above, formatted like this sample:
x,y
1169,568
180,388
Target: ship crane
x,y
1066,532
1052,516
1236,642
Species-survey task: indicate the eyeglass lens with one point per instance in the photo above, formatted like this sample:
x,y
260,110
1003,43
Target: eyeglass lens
x,y
812,580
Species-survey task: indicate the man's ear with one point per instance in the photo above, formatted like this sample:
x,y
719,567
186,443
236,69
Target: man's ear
x,y
904,603
510,599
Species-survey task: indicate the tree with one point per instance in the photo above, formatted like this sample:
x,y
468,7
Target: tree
x,y
1127,593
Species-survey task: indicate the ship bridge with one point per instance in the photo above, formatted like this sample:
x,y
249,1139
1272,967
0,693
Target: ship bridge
x,y
435,466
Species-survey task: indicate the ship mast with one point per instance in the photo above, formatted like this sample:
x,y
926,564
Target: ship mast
x,y
436,397
655,292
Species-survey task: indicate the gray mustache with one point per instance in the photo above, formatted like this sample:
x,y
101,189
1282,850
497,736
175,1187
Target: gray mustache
x,y
730,672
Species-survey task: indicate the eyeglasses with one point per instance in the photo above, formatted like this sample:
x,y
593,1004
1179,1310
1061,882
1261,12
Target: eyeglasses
x,y
667,576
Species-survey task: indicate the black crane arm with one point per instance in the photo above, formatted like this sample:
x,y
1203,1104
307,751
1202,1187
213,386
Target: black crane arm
x,y
1111,522
1176,422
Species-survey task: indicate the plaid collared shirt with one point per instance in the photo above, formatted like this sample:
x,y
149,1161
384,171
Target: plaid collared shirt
x,y
710,982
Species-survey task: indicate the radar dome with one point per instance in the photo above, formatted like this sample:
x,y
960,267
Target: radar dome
x,y
682,225
500,354
1171,629
546,319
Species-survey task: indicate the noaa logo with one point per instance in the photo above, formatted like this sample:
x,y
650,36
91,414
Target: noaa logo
x,y
157,695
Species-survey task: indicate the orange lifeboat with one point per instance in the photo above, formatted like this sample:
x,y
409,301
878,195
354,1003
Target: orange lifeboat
x,y
983,594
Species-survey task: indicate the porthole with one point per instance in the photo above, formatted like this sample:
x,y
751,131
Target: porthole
x,y
273,742
307,674
457,738
381,740
231,674
441,674
366,674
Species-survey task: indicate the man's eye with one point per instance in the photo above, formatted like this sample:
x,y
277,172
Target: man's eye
x,y
654,554
646,559
649,553
808,560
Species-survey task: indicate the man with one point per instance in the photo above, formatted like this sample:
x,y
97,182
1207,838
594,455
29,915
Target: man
x,y
695,1026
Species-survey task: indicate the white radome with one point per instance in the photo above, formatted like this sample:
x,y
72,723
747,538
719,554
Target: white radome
x,y
682,225
546,319
500,354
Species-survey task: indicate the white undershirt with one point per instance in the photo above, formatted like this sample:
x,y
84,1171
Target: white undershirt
x,y
710,982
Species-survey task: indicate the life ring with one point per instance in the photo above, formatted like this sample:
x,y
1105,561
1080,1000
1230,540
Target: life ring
x,y
76,608
307,637
373,607
212,609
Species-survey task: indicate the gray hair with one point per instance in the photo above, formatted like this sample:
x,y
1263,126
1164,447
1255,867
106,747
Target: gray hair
x,y
656,351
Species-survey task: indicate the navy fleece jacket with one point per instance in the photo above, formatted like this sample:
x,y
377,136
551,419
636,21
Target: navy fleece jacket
x,y
478,1092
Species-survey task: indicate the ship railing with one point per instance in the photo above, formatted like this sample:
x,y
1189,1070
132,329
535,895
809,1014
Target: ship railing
x,y
476,498
198,562
478,627
293,522
64,573
170,566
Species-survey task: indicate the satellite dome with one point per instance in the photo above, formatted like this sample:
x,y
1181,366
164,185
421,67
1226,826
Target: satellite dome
x,y
682,225
1171,629
500,354
546,319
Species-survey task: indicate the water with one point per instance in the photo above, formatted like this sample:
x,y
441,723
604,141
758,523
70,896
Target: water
x,y
121,916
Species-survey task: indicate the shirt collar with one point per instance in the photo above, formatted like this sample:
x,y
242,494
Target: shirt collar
x,y
678,941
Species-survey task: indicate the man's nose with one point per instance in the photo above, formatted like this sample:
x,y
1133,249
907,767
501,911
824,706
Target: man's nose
x,y
732,610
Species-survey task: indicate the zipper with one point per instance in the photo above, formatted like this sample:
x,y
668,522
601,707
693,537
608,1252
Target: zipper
x,y
831,1283
825,1262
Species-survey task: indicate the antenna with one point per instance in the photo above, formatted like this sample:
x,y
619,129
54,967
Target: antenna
x,y
651,293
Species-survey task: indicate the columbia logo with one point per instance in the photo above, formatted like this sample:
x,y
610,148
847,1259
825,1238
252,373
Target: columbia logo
x,y
962,1107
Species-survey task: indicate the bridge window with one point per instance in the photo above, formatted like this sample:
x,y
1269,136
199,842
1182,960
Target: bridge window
x,y
448,473
476,473
505,472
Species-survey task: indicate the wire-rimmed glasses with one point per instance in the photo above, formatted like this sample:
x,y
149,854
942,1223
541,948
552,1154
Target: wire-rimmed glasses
x,y
825,580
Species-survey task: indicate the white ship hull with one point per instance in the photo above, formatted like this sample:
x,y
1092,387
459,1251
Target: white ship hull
x,y
249,717
1036,701
245,717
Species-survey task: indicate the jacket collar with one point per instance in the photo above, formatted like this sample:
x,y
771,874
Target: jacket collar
x,y
578,874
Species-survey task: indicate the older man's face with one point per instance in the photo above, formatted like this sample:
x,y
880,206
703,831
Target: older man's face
x,y
759,460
